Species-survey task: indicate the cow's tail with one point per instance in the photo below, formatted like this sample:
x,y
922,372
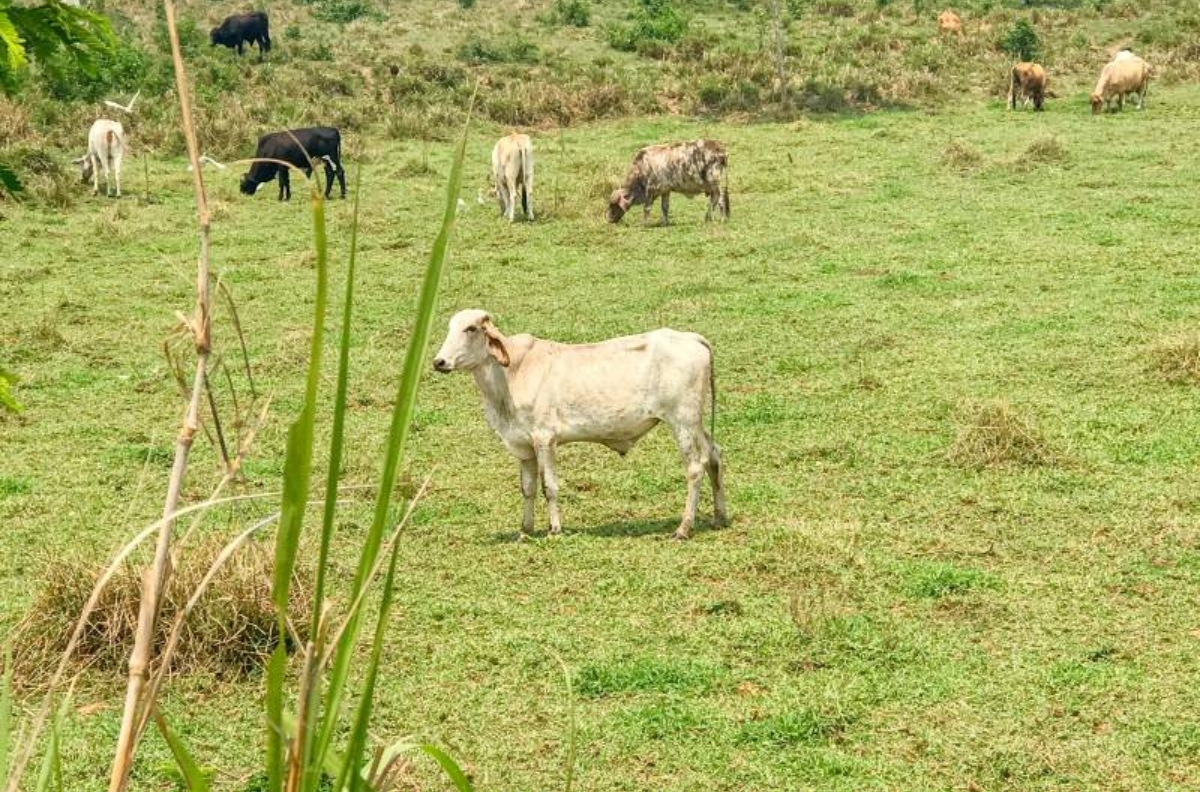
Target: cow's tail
x,y
712,389
266,37
526,166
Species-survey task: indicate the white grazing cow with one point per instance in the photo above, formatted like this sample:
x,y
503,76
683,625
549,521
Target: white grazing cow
x,y
540,394
1124,75
512,170
106,146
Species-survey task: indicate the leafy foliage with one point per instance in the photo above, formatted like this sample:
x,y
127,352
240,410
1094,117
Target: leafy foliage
x,y
48,31
651,23
576,13
8,402
1021,41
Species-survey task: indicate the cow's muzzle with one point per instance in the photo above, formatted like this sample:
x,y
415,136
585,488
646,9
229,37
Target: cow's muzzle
x,y
442,365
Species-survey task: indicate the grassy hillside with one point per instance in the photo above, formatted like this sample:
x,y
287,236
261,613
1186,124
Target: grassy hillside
x,y
884,613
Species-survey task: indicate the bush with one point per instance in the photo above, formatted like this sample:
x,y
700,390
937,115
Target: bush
x,y
466,5
344,11
576,13
476,51
1021,41
652,23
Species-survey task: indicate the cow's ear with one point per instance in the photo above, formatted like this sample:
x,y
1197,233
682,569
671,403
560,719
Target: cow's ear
x,y
495,344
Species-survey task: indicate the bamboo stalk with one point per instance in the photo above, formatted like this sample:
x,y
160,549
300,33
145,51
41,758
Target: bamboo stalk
x,y
159,573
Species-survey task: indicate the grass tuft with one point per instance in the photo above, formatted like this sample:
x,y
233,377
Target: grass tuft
x,y
1047,150
962,156
230,633
935,580
645,675
796,727
993,433
1176,358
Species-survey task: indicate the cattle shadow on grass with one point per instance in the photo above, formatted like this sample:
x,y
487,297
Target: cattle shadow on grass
x,y
625,529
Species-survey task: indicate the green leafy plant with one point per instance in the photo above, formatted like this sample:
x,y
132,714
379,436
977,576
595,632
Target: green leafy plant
x,y
576,13
7,400
651,23
1021,41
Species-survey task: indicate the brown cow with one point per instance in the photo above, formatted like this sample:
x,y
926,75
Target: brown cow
x,y
1029,83
949,22
657,171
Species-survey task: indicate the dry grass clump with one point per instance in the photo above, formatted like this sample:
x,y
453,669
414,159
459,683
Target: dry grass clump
x,y
1046,150
230,632
962,156
993,433
1176,358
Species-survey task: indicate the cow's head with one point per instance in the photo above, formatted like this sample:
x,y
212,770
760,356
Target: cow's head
x,y
85,168
214,37
619,203
470,340
249,185
1097,103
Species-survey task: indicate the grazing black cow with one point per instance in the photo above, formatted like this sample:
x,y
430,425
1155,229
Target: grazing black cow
x,y
242,29
324,143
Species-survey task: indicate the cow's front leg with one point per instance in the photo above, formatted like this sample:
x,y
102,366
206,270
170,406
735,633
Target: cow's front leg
x,y
666,208
545,461
529,482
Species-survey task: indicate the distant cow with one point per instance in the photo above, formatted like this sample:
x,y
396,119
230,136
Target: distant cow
x,y
657,171
949,22
299,148
538,395
1028,83
105,148
512,171
241,29
1125,75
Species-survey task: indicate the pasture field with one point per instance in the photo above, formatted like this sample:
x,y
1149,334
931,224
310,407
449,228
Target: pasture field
x,y
879,615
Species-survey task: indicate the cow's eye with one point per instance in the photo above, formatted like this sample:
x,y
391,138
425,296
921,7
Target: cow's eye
x,y
471,329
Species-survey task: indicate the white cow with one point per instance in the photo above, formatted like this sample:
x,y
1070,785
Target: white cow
x,y
540,394
106,147
512,171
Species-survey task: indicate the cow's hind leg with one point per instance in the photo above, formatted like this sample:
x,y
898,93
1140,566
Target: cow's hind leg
x,y
529,482
545,461
694,450
720,508
329,174
666,208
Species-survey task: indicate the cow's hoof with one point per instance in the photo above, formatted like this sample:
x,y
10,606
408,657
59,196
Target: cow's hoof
x,y
521,537
681,535
720,520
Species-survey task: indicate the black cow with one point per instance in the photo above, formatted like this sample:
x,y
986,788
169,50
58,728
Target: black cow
x,y
242,29
324,143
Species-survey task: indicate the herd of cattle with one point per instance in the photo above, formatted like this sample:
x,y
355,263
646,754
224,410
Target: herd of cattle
x,y
539,394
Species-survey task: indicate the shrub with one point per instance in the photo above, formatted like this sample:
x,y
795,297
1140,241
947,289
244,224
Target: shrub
x,y
652,23
518,49
345,11
1021,41
576,13
466,5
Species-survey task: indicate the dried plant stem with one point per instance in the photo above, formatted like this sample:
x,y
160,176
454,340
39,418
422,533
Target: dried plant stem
x,y
158,574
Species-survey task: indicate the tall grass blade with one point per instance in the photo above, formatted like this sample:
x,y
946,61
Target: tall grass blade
x,y
297,472
449,767
6,724
51,772
276,673
572,726
402,412
358,734
192,776
336,442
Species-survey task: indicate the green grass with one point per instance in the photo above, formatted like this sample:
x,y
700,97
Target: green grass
x,y
877,617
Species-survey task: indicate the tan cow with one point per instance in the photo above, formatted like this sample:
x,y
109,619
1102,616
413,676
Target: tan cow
x,y
538,395
1029,83
949,22
690,168
512,172
1124,75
